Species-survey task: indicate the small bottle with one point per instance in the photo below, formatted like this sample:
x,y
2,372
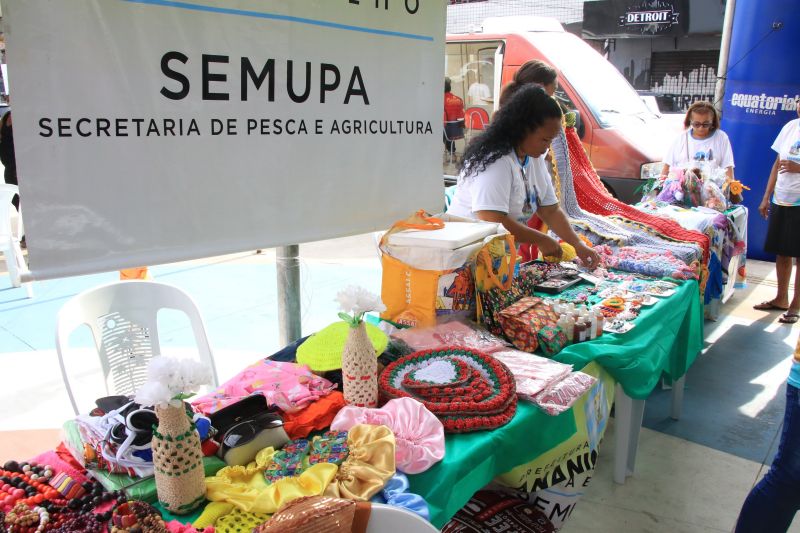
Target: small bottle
x,y
570,331
579,335
592,325
562,322
600,323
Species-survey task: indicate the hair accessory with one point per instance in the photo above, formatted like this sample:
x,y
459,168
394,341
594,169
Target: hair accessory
x,y
485,399
323,351
419,434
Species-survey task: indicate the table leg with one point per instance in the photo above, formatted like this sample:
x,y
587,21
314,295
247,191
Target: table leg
x,y
628,415
677,398
637,415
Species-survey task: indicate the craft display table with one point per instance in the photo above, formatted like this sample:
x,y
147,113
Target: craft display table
x,y
667,339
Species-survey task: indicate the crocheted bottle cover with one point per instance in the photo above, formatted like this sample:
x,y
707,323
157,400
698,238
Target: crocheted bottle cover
x,y
484,399
178,461
593,197
600,230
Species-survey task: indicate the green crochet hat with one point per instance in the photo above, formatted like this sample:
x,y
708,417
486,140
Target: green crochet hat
x,y
323,350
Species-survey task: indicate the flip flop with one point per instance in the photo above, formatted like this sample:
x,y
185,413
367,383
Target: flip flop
x,y
789,318
769,306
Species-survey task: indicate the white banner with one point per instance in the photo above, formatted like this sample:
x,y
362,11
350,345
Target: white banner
x,y
151,131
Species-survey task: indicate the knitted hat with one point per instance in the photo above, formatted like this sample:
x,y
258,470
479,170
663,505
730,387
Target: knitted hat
x,y
466,389
323,350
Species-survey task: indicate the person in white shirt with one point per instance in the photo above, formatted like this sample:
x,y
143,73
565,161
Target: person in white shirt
x,y
703,145
543,74
494,185
783,212
479,94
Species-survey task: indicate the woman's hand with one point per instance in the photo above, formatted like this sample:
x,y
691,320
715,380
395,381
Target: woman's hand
x,y
788,166
763,208
588,257
549,247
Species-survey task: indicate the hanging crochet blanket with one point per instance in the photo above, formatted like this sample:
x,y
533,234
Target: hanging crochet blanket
x,y
604,230
590,195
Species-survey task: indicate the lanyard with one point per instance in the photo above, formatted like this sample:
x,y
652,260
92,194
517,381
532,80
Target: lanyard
x,y
527,207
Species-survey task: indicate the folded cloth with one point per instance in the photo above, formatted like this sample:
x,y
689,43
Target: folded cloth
x,y
532,373
316,416
288,386
418,433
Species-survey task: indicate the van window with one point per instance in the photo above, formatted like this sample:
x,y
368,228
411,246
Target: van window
x,y
605,91
470,67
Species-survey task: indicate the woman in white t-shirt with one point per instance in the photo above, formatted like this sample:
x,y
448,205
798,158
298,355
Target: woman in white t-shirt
x,y
783,213
703,145
494,184
544,75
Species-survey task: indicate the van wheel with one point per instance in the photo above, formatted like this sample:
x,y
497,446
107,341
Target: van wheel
x,y
610,189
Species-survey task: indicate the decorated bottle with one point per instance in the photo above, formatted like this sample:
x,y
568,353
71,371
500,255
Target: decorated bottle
x,y
178,461
359,368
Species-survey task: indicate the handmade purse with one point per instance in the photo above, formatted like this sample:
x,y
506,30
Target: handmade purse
x,y
522,321
246,427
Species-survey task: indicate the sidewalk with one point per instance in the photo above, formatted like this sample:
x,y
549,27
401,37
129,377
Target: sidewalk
x,y
692,475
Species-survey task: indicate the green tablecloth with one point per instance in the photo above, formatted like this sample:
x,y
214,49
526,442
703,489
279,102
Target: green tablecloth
x,y
473,459
667,338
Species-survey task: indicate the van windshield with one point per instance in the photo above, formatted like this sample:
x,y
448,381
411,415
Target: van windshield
x,y
607,93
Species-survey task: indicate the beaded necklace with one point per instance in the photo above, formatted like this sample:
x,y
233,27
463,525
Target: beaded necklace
x,y
30,504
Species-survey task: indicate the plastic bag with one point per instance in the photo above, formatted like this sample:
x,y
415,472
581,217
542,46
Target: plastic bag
x,y
713,197
454,333
560,397
532,373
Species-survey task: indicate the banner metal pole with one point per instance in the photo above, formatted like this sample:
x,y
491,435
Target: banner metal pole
x,y
288,278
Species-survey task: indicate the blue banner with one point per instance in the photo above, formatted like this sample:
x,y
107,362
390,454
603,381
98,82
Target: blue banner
x,y
761,103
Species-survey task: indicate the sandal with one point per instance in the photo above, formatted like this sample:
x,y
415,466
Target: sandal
x,y
790,317
769,306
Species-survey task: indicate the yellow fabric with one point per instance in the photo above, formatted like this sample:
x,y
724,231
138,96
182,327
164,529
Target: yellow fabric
x,y
369,465
211,514
409,294
238,521
246,488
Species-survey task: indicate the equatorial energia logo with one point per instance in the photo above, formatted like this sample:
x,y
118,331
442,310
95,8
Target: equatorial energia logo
x,y
763,104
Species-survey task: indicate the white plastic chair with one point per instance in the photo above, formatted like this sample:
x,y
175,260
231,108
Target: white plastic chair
x,y
389,519
9,241
122,317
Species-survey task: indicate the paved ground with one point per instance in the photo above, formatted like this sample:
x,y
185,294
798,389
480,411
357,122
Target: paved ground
x,y
691,476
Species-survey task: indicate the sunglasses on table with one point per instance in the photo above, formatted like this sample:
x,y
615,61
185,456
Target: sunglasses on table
x,y
698,125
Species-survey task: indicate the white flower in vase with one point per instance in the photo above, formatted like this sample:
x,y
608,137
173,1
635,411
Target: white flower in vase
x,y
355,301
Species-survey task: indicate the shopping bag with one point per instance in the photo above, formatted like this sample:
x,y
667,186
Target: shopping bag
x,y
522,321
422,286
495,285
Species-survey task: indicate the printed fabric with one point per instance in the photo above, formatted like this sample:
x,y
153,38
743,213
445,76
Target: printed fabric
x,y
501,187
712,152
288,386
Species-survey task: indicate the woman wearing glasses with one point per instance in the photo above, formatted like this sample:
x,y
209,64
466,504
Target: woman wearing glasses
x,y
702,145
494,184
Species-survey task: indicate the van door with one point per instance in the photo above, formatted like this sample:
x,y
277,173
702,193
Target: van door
x,y
474,69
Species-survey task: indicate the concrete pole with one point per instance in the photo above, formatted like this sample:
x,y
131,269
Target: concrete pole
x,y
288,277
724,51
